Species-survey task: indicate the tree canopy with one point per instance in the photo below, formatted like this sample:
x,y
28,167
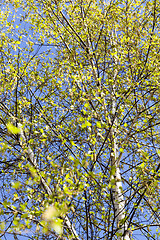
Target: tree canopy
x,y
79,119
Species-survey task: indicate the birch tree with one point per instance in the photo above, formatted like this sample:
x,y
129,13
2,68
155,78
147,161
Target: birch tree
x,y
79,119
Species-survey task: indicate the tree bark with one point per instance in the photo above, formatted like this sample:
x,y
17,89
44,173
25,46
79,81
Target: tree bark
x,y
44,185
117,188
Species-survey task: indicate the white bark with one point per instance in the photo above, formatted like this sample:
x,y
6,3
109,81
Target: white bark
x,y
117,190
47,189
118,197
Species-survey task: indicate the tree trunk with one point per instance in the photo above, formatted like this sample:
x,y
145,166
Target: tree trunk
x,y
44,185
117,189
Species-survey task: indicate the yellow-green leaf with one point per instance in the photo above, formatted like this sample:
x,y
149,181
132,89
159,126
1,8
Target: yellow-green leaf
x,y
11,128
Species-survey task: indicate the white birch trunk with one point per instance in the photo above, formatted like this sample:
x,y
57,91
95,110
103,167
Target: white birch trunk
x,y
117,190
46,188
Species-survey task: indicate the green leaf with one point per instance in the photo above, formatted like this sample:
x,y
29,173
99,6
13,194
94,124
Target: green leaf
x,y
121,150
11,128
57,226
86,124
158,152
142,165
98,124
16,185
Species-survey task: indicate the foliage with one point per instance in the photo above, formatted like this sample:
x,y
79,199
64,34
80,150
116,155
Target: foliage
x,y
79,113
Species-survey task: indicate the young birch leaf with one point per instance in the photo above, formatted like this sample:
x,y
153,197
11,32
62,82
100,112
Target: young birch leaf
x,y
12,129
